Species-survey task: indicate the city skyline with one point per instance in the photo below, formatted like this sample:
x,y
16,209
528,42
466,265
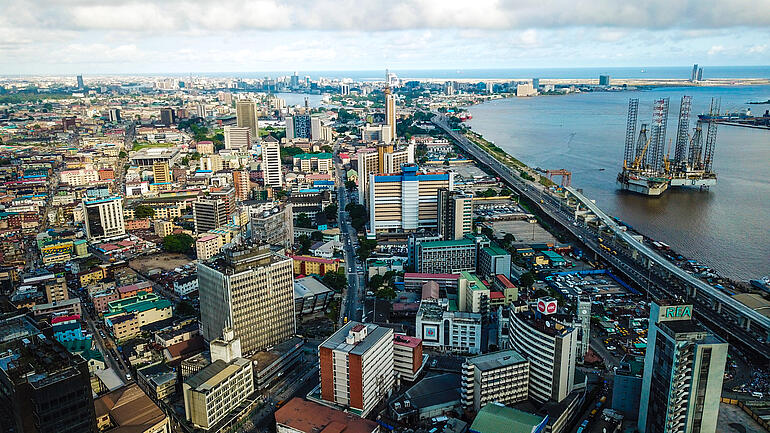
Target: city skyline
x,y
183,37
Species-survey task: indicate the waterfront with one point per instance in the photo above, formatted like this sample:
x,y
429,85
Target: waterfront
x,y
725,227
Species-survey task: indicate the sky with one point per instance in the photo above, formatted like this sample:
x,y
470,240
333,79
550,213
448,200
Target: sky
x,y
185,36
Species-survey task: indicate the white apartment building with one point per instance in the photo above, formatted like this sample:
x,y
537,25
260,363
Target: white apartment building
x,y
357,366
451,331
271,163
238,137
501,377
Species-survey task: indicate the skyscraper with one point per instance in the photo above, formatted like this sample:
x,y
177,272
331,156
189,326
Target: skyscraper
x,y
167,116
246,116
455,214
694,75
80,82
390,111
209,213
114,114
104,218
683,371
271,162
242,185
299,126
250,290
604,80
238,137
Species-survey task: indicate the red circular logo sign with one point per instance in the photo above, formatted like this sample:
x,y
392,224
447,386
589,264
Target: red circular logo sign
x,y
551,307
541,306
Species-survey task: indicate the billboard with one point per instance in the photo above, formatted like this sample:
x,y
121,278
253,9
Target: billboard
x,y
430,332
547,305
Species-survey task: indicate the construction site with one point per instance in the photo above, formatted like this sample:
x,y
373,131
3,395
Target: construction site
x,y
648,166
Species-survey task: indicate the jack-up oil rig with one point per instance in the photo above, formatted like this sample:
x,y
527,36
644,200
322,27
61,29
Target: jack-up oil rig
x,y
647,164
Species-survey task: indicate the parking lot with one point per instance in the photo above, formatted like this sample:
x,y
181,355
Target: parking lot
x,y
523,231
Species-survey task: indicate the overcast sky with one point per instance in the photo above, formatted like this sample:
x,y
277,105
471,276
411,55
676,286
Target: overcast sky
x,y
175,36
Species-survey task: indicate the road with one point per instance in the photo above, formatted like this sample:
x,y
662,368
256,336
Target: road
x,y
117,364
654,279
352,296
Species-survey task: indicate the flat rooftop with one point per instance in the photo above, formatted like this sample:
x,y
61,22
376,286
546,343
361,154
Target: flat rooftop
x,y
373,334
306,416
494,360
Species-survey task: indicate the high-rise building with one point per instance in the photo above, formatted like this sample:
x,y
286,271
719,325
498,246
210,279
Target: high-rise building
x,y
43,387
683,371
209,213
114,114
273,226
238,137
446,257
700,74
104,218
550,344
694,74
242,184
250,290
390,111
246,116
167,116
584,320
318,130
271,162
604,80
405,201
407,357
161,173
535,84
455,214
357,366
452,331
299,126
384,159
501,377
81,85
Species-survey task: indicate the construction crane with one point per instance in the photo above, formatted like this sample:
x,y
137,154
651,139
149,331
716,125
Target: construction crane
x,y
566,176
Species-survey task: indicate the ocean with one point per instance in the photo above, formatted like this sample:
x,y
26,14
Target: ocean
x,y
726,227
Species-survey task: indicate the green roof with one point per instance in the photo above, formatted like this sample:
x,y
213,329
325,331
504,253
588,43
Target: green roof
x,y
452,243
553,256
475,282
322,155
494,250
453,305
76,346
496,418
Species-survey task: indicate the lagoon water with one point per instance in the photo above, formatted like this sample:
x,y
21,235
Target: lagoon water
x,y
726,227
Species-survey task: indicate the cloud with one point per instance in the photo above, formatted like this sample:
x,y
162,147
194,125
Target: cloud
x,y
716,49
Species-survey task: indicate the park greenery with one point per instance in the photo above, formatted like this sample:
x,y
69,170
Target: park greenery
x,y
143,211
178,243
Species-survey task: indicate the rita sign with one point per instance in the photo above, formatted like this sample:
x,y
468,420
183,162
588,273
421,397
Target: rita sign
x,y
547,306
675,312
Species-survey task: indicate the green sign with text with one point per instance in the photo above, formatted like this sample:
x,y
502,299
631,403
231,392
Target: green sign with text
x,y
674,312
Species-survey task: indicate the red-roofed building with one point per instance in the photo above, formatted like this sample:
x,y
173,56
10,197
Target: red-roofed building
x,y
508,289
302,416
407,357
65,319
414,280
133,289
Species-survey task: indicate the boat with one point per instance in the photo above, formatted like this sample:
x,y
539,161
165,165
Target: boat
x,y
761,284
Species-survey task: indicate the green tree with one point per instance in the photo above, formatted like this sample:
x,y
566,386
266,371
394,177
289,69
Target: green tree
x,y
180,243
122,154
376,281
326,148
143,211
304,244
350,185
304,221
316,236
358,215
508,238
331,211
527,279
185,309
335,280
386,293
365,248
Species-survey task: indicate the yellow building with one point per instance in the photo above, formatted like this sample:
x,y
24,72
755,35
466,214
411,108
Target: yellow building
x,y
306,265
161,173
126,316
91,276
208,245
163,228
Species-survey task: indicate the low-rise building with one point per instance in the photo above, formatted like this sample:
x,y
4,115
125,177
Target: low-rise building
x,y
408,359
270,365
302,416
185,285
126,316
307,265
207,246
497,418
158,381
311,296
128,409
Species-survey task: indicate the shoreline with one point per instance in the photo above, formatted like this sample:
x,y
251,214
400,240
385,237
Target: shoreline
x,y
636,82
491,148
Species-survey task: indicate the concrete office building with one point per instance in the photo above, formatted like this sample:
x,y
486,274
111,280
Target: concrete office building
x,y
493,260
274,225
299,126
271,162
145,158
406,201
683,371
472,294
246,116
451,331
238,137
167,116
104,218
213,392
455,214
43,388
501,377
584,321
357,366
384,159
551,346
627,386
161,173
250,290
318,130
210,213
448,257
